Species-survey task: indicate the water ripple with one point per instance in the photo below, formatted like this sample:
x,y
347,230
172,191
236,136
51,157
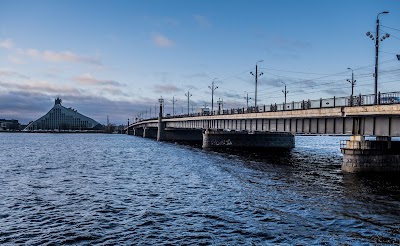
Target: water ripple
x,y
93,189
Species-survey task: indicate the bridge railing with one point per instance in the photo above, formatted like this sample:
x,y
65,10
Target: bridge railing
x,y
357,100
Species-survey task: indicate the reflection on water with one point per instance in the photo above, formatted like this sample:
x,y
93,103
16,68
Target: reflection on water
x,y
93,189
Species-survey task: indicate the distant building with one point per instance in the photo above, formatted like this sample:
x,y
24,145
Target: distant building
x,y
203,111
9,125
62,118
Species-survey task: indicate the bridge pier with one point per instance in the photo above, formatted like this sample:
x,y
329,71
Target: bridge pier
x,y
247,140
380,155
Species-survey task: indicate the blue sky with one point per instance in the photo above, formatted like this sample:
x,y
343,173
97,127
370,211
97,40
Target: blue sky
x,y
116,58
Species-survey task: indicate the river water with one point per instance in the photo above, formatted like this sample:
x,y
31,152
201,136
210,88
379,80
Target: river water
x,y
97,189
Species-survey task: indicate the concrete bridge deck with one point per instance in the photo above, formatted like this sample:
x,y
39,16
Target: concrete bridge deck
x,y
374,120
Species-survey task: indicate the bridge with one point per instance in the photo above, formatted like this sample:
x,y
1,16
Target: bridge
x,y
274,126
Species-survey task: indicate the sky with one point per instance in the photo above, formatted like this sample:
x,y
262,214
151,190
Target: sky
x,y
115,59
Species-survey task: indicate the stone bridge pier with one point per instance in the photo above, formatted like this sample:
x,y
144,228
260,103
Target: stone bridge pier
x,y
247,140
379,155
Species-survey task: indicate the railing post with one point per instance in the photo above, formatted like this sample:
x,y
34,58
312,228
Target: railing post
x,y
320,103
334,101
379,98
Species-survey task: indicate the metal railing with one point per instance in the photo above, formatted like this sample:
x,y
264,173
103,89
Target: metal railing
x,y
360,100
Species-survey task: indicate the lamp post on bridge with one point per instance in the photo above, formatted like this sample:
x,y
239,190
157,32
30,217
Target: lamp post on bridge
x,y
247,99
173,105
285,92
352,82
256,78
377,52
212,95
188,96
220,102
161,101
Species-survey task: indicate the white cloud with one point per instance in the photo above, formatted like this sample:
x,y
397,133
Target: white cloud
x,y
88,79
11,73
15,60
202,21
162,41
63,56
7,44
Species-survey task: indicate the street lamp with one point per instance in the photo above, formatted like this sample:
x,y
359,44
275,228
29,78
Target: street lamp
x,y
285,92
188,96
256,78
161,101
173,105
352,82
247,99
377,51
212,95
220,102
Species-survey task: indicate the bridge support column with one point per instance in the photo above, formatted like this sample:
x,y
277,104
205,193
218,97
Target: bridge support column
x,y
380,155
247,140
161,124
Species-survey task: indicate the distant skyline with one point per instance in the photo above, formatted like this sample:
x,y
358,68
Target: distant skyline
x,y
117,58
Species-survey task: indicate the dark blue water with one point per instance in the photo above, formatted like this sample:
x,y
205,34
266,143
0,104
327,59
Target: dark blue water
x,y
94,189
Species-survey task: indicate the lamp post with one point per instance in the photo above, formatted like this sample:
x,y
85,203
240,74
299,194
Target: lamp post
x,y
247,99
285,92
213,88
173,105
352,82
188,96
161,101
256,78
220,102
377,52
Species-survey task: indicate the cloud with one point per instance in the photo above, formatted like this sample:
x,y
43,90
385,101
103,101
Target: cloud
x,y
162,41
166,89
232,95
37,86
62,56
11,73
15,60
28,105
7,44
202,21
88,79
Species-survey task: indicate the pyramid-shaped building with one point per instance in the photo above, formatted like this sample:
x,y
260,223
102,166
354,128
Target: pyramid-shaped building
x,y
62,118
